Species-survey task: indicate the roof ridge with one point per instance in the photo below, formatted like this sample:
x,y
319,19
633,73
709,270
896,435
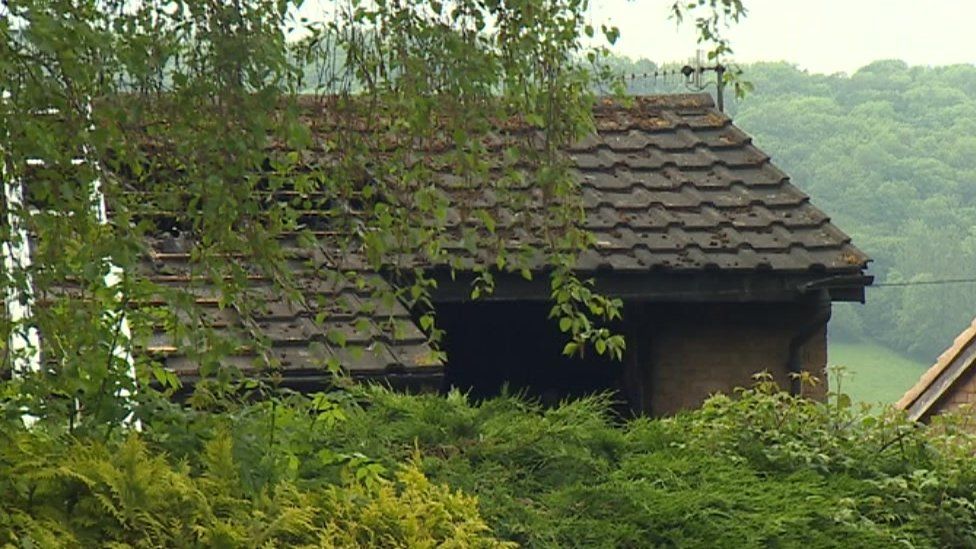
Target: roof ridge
x,y
658,101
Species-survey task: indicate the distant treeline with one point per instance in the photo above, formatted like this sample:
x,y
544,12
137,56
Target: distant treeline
x,y
890,153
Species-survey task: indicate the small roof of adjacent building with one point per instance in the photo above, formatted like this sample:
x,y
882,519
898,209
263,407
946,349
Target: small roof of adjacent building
x,y
669,186
944,384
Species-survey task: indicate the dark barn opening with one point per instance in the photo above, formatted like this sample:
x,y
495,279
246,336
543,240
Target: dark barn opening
x,y
491,344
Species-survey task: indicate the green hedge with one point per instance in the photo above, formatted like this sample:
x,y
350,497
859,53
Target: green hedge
x,y
367,467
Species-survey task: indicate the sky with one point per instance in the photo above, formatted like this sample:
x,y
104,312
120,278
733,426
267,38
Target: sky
x,y
824,36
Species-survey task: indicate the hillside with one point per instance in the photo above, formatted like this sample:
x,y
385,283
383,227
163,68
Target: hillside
x,y
872,373
890,153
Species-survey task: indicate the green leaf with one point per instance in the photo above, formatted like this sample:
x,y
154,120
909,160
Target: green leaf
x,y
565,323
336,337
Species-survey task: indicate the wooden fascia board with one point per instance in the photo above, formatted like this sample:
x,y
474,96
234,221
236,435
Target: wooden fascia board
x,y
703,287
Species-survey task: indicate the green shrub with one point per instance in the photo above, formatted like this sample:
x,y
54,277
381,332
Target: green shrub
x,y
411,512
69,493
761,468
369,467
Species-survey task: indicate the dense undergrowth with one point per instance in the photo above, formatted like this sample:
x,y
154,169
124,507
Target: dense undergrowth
x,y
368,467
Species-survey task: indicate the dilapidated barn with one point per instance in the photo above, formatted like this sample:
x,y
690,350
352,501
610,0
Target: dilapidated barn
x,y
724,266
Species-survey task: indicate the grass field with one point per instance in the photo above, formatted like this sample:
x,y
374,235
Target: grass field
x,y
874,373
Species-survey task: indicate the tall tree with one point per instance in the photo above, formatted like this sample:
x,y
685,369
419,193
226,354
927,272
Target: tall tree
x,y
192,116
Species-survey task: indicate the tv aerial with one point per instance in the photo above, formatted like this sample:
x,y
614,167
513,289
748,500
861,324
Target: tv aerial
x,y
694,73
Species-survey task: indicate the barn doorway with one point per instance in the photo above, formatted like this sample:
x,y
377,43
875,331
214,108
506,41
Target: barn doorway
x,y
491,344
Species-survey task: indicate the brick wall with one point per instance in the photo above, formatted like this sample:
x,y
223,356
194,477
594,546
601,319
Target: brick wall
x,y
962,392
681,354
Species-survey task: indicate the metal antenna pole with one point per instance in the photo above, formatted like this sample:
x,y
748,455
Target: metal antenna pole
x,y
693,78
720,86
698,69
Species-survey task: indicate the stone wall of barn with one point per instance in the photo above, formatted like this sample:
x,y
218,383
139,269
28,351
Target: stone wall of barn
x,y
680,354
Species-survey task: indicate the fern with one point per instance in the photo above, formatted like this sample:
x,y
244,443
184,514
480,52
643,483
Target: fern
x,y
760,468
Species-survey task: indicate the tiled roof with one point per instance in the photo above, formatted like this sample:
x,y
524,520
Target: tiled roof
x,y
668,184
336,320
942,378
